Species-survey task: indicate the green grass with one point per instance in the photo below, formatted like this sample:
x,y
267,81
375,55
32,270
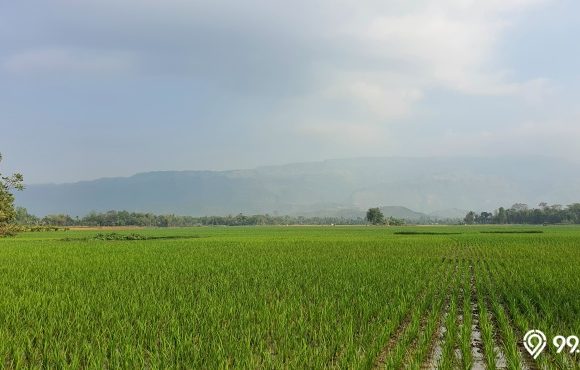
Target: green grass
x,y
512,231
282,297
424,233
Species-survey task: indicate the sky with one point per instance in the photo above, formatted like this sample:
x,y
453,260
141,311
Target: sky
x,y
100,88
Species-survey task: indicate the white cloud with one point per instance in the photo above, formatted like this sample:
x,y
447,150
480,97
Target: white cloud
x,y
541,138
450,44
348,73
397,53
377,99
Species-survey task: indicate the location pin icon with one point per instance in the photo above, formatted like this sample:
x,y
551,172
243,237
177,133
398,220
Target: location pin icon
x,y
535,342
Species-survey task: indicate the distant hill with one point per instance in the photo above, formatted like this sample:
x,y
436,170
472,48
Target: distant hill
x,y
433,186
403,213
450,213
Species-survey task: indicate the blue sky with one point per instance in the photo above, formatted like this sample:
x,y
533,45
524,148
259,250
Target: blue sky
x,y
110,88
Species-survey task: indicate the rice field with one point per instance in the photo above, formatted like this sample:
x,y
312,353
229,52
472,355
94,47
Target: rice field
x,y
290,297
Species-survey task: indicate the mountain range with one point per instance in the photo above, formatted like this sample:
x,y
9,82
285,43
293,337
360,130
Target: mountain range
x,y
436,187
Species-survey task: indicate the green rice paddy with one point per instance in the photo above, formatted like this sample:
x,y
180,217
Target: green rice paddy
x,y
289,297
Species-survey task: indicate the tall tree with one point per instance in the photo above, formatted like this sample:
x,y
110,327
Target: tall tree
x,y
470,218
375,216
501,216
7,212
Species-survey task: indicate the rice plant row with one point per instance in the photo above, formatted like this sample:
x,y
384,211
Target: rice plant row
x,y
296,297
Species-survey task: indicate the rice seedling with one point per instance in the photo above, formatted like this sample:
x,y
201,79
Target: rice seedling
x,y
297,297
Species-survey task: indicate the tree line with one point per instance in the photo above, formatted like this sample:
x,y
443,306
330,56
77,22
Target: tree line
x,y
126,218
521,213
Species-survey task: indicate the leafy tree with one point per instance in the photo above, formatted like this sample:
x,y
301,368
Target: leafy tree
x,y
501,216
22,217
7,212
470,218
375,216
485,217
543,205
58,220
392,221
520,207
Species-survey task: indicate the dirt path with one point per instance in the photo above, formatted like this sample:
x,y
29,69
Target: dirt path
x,y
476,341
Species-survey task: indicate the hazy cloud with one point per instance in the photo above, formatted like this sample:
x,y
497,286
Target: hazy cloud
x,y
62,60
300,80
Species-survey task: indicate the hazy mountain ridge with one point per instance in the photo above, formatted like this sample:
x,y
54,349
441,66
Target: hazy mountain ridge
x,y
432,186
